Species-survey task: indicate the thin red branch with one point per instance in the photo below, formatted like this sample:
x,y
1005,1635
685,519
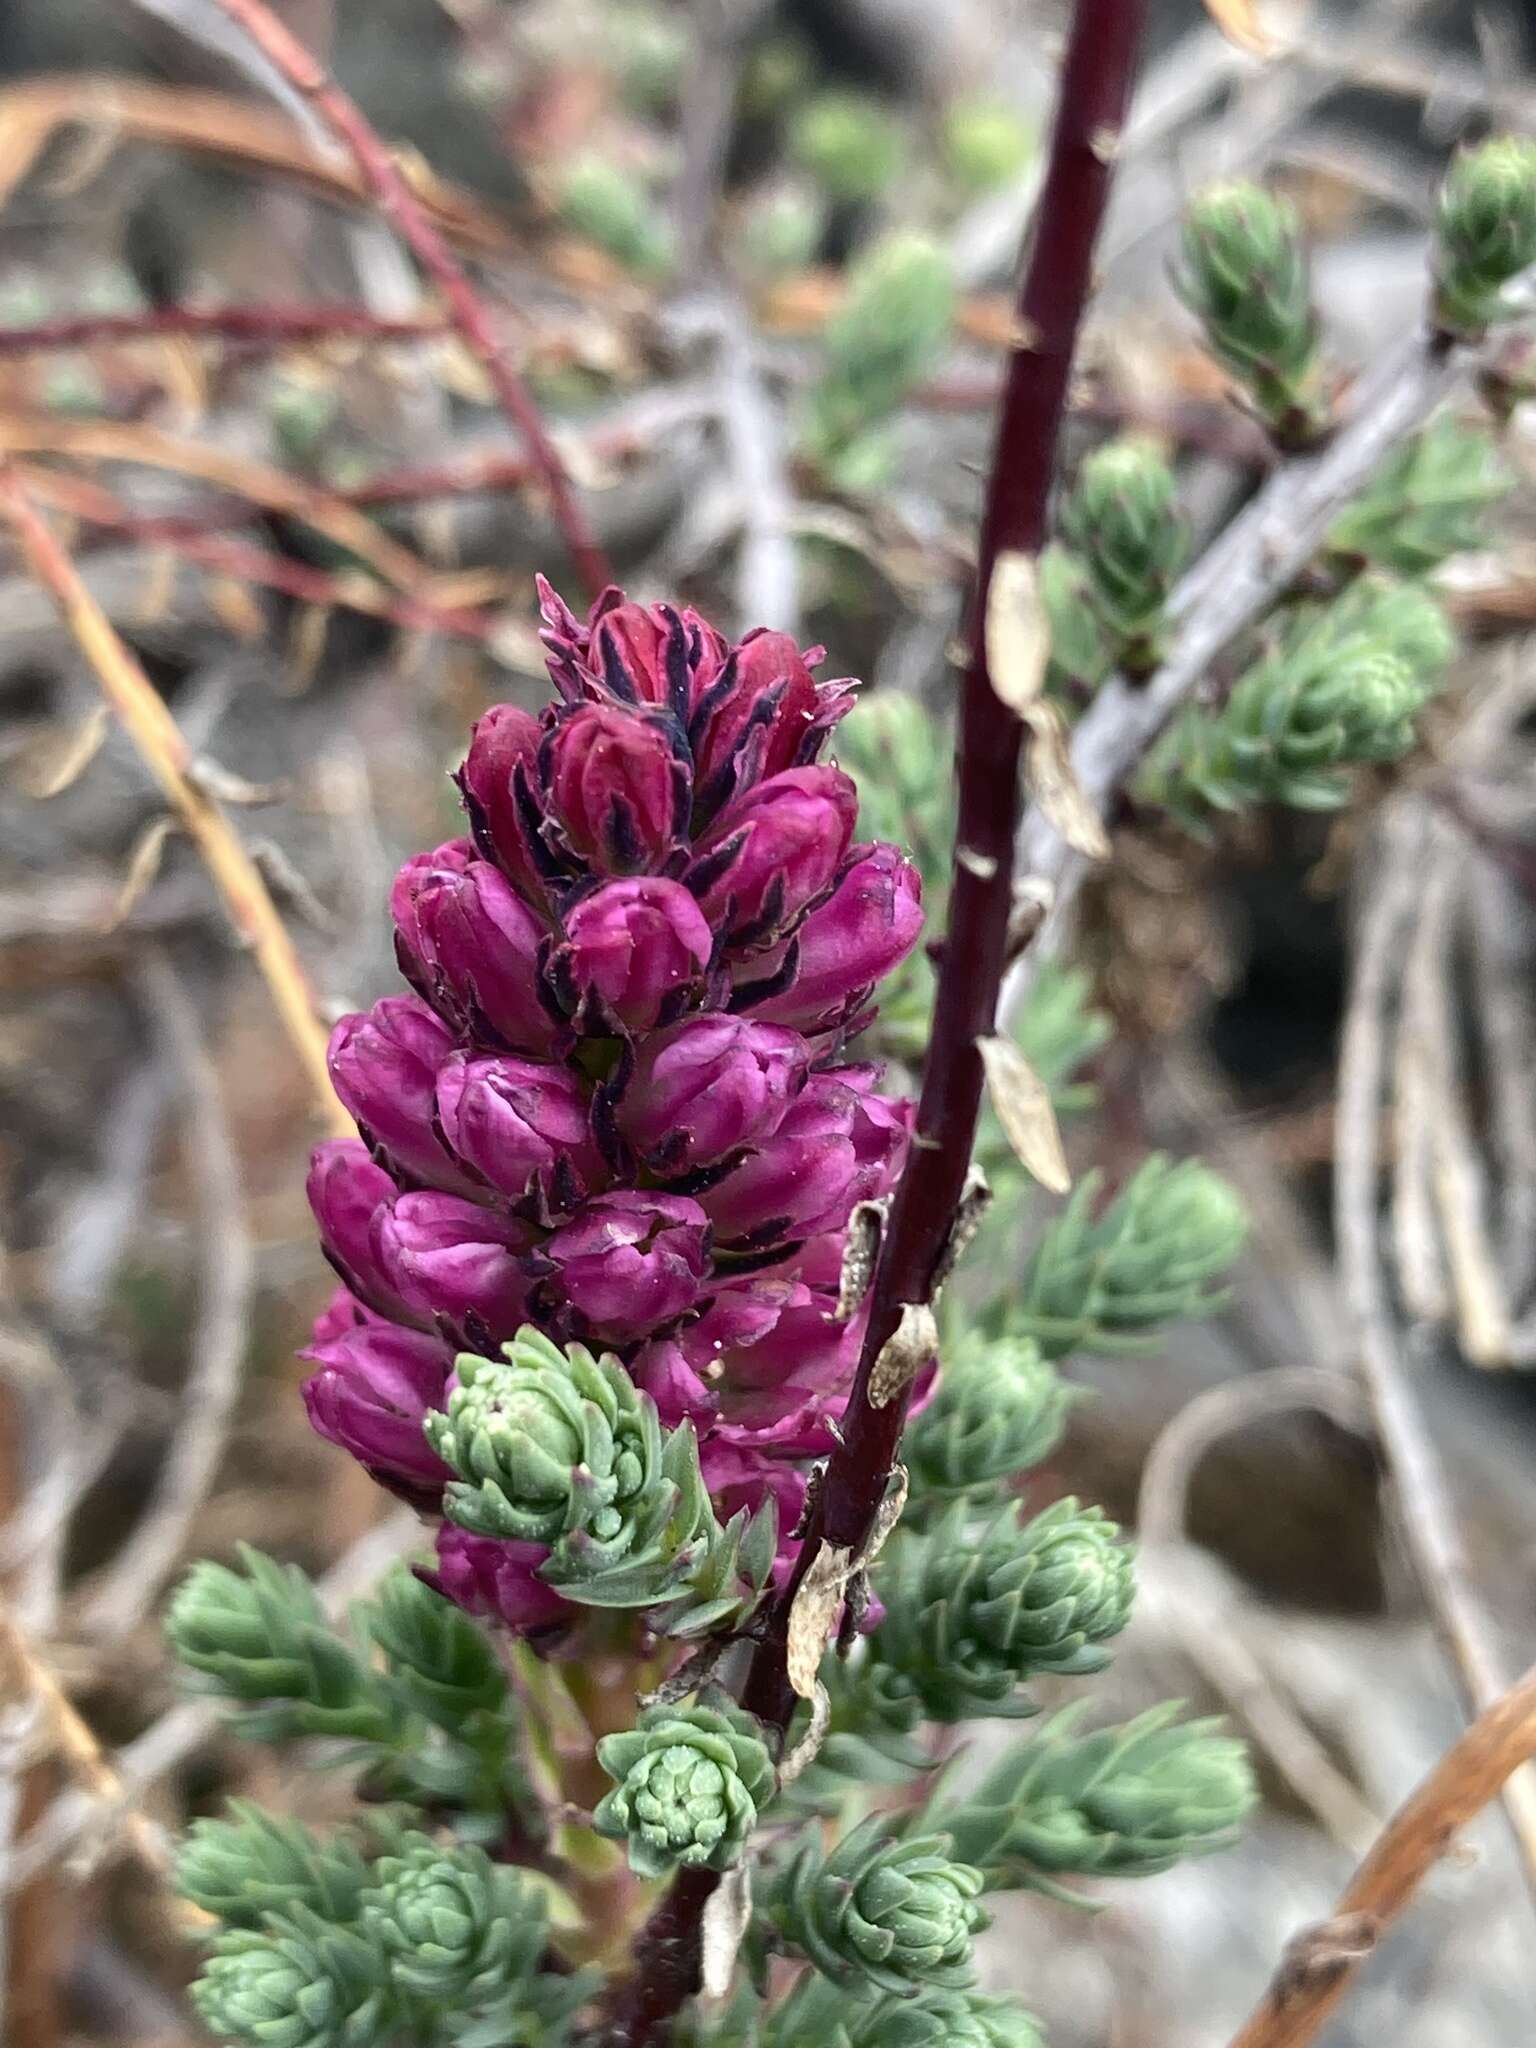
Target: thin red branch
x,y
1094,94
279,326
247,563
468,313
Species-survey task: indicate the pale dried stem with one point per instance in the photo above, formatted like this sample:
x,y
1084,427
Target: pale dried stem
x,y
226,1284
165,752
1428,1518
1319,1966
1181,1587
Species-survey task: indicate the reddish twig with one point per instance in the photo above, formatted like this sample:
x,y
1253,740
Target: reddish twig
x,y
279,326
247,563
1094,94
399,203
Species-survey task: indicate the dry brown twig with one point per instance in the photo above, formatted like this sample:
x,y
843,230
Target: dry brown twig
x,y
1320,1964
385,180
42,1719
164,750
1207,1618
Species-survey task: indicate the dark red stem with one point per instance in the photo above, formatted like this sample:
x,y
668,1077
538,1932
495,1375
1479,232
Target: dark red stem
x,y
1094,94
466,310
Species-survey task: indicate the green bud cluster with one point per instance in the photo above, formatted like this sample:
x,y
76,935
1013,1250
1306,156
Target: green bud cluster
x,y
610,206
460,1932
420,1700
554,1446
881,1909
889,333
1112,1282
1339,688
1120,1802
999,1409
689,1783
1244,274
1485,232
1123,520
819,2012
299,1982
969,1617
320,1950
257,1863
1428,501
260,1639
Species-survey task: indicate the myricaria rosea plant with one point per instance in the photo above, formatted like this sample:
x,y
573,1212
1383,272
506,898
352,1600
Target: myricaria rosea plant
x,y
642,1262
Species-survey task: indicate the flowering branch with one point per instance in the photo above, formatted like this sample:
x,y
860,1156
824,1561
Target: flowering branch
x,y
1095,89
465,307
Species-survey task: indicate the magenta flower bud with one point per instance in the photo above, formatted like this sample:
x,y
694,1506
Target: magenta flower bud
x,y
451,1258
345,1190
633,950
803,1179
384,1064
627,1263
867,926
520,1126
375,1385
707,1086
619,781
470,945
762,714
497,784
496,1581
774,852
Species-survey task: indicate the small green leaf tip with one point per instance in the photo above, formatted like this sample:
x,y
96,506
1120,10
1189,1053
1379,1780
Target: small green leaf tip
x,y
299,1983
969,1618
1341,687
882,1910
999,1409
611,207
1122,516
1155,1255
256,1863
690,1782
1244,274
459,1931
259,1635
444,1665
1485,232
1429,500
889,332
1120,1802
